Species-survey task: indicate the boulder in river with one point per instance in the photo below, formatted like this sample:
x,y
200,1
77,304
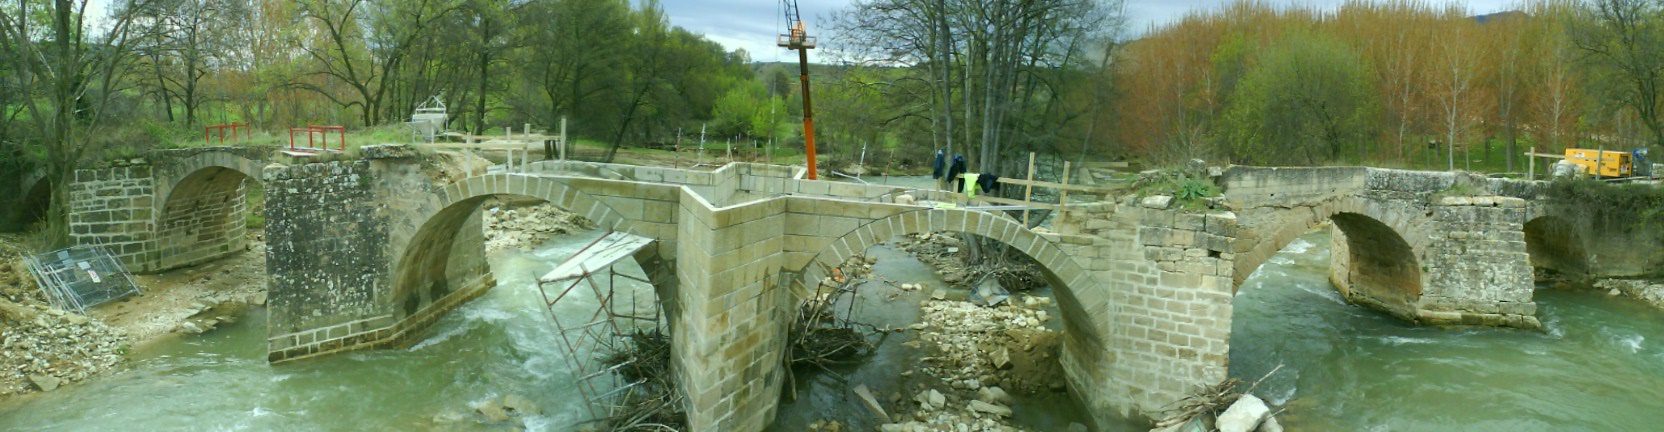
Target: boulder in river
x,y
995,409
44,382
1243,416
520,405
493,411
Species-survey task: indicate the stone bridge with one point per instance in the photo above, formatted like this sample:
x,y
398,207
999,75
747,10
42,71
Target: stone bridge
x,y
370,252
165,209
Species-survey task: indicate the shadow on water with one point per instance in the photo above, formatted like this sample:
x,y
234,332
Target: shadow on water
x,y
1599,365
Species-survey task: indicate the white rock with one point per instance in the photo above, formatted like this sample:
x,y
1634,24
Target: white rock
x,y
995,409
45,382
1270,425
937,400
1157,201
1243,416
992,394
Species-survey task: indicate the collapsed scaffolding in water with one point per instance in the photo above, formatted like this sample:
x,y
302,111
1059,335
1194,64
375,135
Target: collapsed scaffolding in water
x,y
620,353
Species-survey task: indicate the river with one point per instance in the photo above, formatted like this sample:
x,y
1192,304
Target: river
x,y
1598,366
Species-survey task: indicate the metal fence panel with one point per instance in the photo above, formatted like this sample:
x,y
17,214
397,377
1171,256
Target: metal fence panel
x,y
80,277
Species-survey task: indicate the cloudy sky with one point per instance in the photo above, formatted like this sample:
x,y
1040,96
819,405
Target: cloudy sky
x,y
752,24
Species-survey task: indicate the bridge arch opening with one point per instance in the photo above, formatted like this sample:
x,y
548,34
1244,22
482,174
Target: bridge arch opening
x,y
1078,341
205,216
37,201
1371,263
444,263
1556,250
601,324
1377,267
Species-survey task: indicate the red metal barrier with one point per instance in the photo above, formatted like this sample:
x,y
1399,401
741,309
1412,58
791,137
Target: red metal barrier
x,y
208,132
322,132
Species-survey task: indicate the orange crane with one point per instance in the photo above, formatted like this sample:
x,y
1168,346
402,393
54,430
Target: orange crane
x,y
798,39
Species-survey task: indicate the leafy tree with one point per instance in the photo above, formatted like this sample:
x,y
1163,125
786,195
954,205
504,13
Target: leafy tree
x,y
1308,100
1624,40
65,80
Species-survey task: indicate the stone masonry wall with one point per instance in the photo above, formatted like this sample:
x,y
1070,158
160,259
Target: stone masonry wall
x,y
1167,275
326,240
204,219
1477,269
114,206
731,326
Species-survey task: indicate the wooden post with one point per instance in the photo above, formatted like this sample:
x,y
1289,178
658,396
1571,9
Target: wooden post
x,y
562,145
1531,158
1063,201
1028,190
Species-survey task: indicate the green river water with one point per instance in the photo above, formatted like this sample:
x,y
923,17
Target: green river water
x,y
1598,366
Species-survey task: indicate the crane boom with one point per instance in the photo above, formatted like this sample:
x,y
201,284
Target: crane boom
x,y
798,39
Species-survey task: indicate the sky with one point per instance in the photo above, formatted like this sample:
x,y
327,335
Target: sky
x,y
753,24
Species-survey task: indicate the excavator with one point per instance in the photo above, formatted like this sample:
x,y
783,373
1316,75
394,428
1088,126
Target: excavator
x,y
798,39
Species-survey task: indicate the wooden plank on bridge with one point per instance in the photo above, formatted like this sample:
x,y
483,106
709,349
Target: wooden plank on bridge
x,y
601,254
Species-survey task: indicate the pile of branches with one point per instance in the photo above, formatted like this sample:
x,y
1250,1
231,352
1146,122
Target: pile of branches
x,y
651,403
1017,276
820,336
1210,401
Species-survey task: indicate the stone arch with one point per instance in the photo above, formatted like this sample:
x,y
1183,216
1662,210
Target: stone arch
x,y
203,217
433,264
1374,265
1554,247
37,198
172,174
201,208
1067,276
1377,248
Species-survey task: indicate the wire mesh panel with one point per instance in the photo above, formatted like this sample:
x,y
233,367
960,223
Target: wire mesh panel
x,y
80,277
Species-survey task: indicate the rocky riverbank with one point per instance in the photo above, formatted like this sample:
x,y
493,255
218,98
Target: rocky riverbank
x,y
978,357
514,225
1651,292
42,348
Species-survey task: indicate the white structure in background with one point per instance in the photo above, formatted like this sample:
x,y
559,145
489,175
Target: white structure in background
x,y
428,121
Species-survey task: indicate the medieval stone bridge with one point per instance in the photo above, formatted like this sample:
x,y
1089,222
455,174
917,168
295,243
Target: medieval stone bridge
x,y
370,252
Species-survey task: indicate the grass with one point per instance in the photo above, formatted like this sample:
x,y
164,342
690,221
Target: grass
x,y
256,206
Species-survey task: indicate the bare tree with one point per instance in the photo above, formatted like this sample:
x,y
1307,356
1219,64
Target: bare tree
x,y
67,78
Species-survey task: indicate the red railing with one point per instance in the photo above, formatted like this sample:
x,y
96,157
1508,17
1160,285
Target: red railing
x,y
321,132
208,132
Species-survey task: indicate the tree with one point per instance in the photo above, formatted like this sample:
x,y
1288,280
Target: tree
x,y
66,79
1624,39
1307,101
1006,55
182,50
362,44
1454,83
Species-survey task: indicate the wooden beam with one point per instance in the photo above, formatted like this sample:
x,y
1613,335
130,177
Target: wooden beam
x,y
1028,190
1063,201
998,200
1062,186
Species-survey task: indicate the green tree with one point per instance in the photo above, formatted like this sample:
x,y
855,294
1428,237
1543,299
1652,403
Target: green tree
x,y
1624,40
65,80
1306,101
